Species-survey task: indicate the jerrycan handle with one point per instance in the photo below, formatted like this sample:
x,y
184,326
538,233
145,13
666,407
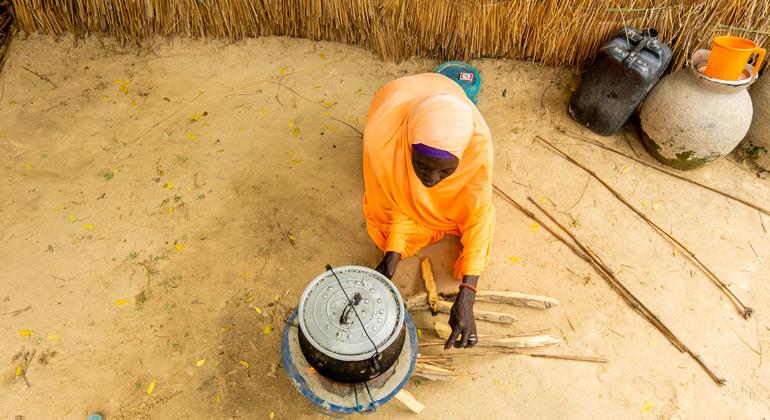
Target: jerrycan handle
x,y
648,38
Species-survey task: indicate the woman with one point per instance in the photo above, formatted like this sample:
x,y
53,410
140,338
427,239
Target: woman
x,y
428,172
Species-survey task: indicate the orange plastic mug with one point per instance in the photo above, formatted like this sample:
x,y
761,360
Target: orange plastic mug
x,y
729,56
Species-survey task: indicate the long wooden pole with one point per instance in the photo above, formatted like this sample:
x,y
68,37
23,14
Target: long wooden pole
x,y
744,310
605,272
669,173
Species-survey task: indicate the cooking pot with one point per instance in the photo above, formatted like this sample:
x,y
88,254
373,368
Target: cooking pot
x,y
351,324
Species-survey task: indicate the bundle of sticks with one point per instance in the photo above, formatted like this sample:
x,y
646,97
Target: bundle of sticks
x,y
442,367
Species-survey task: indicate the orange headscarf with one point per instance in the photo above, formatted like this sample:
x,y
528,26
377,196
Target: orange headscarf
x,y
404,216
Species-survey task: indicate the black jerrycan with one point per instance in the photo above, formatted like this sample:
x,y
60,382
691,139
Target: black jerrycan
x,y
624,71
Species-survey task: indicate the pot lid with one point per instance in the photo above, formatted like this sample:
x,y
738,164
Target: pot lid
x,y
330,324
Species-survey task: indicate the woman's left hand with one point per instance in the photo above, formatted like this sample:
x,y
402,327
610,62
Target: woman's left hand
x,y
461,317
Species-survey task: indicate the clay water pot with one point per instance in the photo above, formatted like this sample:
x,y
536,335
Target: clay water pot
x,y
756,145
690,120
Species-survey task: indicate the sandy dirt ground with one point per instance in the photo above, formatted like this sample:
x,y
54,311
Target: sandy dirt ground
x,y
151,199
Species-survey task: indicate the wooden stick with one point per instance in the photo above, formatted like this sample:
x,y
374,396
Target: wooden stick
x,y
406,398
418,302
511,298
508,341
590,359
744,310
430,286
614,283
348,124
41,76
666,171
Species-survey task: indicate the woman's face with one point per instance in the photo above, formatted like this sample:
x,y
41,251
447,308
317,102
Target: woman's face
x,y
432,170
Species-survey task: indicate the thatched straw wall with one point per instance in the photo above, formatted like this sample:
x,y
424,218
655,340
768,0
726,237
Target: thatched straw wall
x,y
5,28
557,32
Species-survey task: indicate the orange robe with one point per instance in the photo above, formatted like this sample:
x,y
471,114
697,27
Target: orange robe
x,y
403,215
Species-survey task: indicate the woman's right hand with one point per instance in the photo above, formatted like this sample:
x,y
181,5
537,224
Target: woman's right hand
x,y
387,267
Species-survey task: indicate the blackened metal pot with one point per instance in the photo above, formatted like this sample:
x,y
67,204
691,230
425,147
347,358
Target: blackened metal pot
x,y
351,324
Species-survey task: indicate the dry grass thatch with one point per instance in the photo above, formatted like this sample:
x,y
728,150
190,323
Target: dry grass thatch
x,y
6,18
565,33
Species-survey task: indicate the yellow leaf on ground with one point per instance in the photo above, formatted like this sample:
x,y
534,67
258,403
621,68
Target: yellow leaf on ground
x,y
645,204
53,337
258,310
534,227
180,247
322,56
196,117
105,97
218,399
675,252
169,186
19,371
419,333
123,89
282,70
262,111
200,363
191,136
646,406
292,237
272,415
328,104
27,166
249,298
121,301
71,218
267,329
626,168
244,364
205,124
25,333
151,387
170,211
295,132
541,199
514,259
88,227
295,161
276,297
656,206
133,102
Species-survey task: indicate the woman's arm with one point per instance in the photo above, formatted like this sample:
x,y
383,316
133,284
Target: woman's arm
x,y
387,267
477,242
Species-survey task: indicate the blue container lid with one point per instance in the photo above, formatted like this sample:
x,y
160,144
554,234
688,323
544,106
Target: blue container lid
x,y
464,75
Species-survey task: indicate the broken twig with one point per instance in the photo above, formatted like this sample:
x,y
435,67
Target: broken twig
x,y
41,76
430,285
